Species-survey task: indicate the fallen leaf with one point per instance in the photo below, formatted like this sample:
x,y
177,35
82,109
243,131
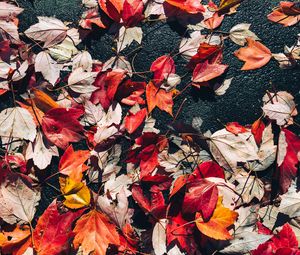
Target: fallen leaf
x,y
76,194
94,233
216,227
17,122
54,230
290,202
18,200
205,72
49,30
160,98
72,163
190,6
159,237
287,14
240,32
255,55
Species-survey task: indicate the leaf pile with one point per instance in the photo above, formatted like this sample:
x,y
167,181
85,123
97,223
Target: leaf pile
x,y
125,186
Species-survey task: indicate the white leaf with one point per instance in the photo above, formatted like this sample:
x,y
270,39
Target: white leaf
x,y
159,237
127,36
247,218
245,242
9,30
93,113
269,215
266,153
249,187
47,66
81,82
290,202
90,3
117,211
17,201
49,30
280,107
220,89
8,10
240,32
20,73
119,62
115,184
283,61
64,51
41,152
229,149
18,123
189,46
83,60
282,148
175,251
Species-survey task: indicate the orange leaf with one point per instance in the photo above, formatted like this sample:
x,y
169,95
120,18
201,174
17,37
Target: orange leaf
x,y
94,233
14,240
43,101
133,121
286,14
160,98
72,163
255,55
112,8
217,225
190,6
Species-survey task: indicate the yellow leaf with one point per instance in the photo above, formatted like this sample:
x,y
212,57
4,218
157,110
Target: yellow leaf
x,y
76,194
217,225
226,5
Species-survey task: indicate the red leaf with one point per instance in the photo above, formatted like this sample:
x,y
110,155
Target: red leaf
x,y
201,196
72,163
257,130
205,72
54,230
60,126
91,17
215,21
129,92
235,128
181,233
212,53
288,168
108,84
162,67
255,55
5,50
160,98
132,12
285,242
207,169
133,121
112,8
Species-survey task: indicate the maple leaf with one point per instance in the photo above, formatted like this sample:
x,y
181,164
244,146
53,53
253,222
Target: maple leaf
x,y
290,202
134,120
112,8
287,14
162,66
47,66
287,159
255,55
132,12
280,106
240,32
18,200
53,231
60,126
214,21
180,232
257,129
49,30
94,233
160,98
216,226
15,240
17,122
190,6
72,163
205,72
159,237
201,196
91,16
284,242
81,82
43,101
